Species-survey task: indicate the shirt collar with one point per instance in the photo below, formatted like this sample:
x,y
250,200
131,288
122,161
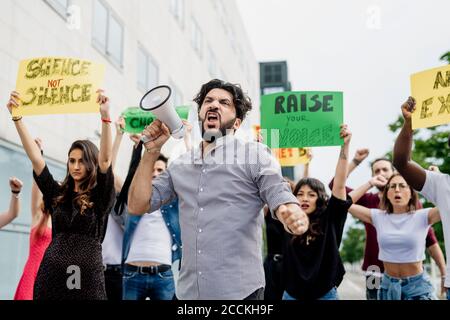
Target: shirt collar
x,y
220,142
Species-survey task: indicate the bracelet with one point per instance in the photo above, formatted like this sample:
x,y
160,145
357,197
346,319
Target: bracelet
x,y
106,120
15,192
16,118
356,162
153,150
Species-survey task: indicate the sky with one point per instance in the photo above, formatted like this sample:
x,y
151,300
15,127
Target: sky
x,y
367,49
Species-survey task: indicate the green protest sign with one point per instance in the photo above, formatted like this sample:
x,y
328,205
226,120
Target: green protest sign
x,y
137,119
301,119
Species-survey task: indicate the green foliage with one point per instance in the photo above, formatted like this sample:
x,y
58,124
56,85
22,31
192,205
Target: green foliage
x,y
446,57
353,244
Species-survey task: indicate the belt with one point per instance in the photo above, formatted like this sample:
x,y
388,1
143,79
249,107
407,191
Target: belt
x,y
148,269
112,267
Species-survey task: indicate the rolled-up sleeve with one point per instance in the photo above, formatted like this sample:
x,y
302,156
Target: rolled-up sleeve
x,y
163,191
266,173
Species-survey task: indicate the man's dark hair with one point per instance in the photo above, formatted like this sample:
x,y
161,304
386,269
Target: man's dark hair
x,y
382,159
162,158
242,102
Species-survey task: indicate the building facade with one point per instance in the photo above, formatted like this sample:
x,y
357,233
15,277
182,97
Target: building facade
x,y
182,43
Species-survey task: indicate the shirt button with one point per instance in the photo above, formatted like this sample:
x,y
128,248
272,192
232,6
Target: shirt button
x,y
199,251
201,189
200,230
199,273
170,206
168,224
201,209
204,170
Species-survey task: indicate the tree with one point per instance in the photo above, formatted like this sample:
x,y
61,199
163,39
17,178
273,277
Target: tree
x,y
446,57
353,244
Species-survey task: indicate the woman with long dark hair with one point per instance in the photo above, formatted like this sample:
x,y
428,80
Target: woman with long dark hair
x,y
72,264
312,266
401,232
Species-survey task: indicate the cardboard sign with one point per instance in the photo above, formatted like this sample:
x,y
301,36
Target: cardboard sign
x,y
52,85
287,157
431,89
137,119
291,156
301,119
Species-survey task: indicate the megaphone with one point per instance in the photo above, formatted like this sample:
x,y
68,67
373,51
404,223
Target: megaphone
x,y
158,101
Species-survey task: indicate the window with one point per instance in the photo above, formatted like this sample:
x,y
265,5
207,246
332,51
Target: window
x,y
197,38
270,90
177,9
233,39
108,33
177,98
60,6
147,71
212,66
272,73
221,75
14,237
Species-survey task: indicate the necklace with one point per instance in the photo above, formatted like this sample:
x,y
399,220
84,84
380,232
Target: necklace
x,y
308,239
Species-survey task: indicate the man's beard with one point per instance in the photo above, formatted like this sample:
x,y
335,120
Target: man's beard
x,y
211,135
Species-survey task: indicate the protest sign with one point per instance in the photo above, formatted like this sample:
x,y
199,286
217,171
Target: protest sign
x,y
301,119
431,89
52,85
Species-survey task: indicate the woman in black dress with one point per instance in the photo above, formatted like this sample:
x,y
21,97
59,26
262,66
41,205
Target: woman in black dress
x,y
72,265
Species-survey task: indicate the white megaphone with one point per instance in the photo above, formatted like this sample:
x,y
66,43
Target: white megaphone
x,y
158,101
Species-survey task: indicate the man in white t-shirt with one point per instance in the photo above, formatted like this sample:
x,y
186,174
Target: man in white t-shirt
x,y
152,243
435,186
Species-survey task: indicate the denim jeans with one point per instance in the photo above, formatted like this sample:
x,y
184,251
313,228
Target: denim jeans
x,y
330,295
448,294
137,286
416,287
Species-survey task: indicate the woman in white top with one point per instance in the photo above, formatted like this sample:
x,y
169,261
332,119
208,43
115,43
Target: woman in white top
x,y
401,232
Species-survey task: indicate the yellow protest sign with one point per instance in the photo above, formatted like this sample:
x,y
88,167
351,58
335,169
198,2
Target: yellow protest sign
x,y
431,89
289,157
54,85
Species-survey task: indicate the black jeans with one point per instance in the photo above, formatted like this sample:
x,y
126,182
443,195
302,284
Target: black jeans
x,y
273,270
257,295
113,282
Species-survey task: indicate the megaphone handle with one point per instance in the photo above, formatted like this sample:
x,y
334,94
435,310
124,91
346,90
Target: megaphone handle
x,y
146,139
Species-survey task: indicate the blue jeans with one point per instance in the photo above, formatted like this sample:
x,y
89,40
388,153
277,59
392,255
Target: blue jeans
x,y
137,286
448,294
416,287
330,295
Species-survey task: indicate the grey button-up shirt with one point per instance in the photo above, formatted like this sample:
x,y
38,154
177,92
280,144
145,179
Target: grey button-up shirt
x,y
220,199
